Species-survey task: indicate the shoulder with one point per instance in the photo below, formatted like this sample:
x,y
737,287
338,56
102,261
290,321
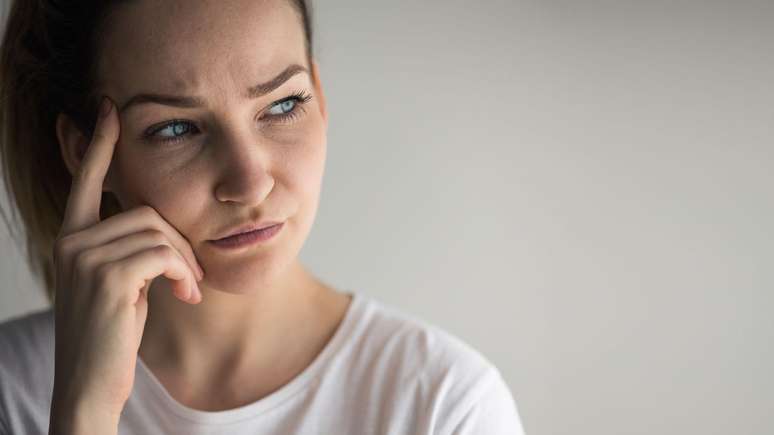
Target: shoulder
x,y
453,381
26,338
425,348
26,366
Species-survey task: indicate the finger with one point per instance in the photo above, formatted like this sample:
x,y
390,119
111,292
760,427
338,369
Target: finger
x,y
180,242
135,242
142,266
137,220
153,220
82,209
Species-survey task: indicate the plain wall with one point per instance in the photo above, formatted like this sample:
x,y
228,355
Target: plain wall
x,y
580,190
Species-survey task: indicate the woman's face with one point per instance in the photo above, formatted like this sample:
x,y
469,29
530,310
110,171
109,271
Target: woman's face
x,y
207,155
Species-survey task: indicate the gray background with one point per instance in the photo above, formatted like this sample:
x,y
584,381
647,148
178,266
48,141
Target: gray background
x,y
580,190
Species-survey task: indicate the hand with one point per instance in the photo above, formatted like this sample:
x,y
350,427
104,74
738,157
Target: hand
x,y
103,273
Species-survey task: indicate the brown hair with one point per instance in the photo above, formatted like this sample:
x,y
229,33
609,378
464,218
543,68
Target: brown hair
x,y
47,67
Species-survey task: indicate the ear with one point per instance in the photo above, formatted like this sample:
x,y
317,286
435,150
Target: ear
x,y
73,145
319,90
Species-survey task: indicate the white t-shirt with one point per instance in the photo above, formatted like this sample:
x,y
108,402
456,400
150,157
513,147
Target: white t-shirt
x,y
383,372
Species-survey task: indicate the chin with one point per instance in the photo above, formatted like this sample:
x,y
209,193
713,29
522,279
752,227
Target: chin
x,y
246,274
257,268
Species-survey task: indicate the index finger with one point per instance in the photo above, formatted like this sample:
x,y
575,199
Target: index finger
x,y
83,203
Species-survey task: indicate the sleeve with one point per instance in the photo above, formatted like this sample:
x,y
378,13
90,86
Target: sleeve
x,y
494,413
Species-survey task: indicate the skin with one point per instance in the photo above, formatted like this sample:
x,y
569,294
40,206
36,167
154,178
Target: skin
x,y
263,317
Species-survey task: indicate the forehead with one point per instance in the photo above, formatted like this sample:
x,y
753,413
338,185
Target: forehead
x,y
176,45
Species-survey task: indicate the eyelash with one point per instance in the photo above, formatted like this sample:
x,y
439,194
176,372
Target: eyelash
x,y
300,97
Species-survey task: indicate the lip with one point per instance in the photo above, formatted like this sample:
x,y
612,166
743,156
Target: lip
x,y
248,238
246,228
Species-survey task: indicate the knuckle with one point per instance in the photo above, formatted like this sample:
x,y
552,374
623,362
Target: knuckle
x,y
143,212
164,251
158,222
108,273
148,212
157,237
62,246
85,260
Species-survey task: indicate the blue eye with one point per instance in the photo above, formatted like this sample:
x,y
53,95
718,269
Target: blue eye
x,y
172,131
281,111
286,106
176,128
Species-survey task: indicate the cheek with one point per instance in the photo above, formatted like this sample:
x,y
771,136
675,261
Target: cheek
x,y
174,186
303,159
162,185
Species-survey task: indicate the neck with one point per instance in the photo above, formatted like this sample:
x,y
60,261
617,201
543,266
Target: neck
x,y
226,330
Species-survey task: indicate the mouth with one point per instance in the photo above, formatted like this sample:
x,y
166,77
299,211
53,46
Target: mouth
x,y
248,228
248,237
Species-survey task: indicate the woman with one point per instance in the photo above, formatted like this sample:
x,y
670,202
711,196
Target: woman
x,y
213,123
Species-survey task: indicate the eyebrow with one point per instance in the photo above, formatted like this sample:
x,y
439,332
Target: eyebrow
x,y
193,101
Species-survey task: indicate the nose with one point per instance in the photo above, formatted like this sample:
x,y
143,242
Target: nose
x,y
243,166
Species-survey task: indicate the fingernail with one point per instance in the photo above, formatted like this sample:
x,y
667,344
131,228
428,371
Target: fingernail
x,y
201,272
198,290
194,290
104,107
